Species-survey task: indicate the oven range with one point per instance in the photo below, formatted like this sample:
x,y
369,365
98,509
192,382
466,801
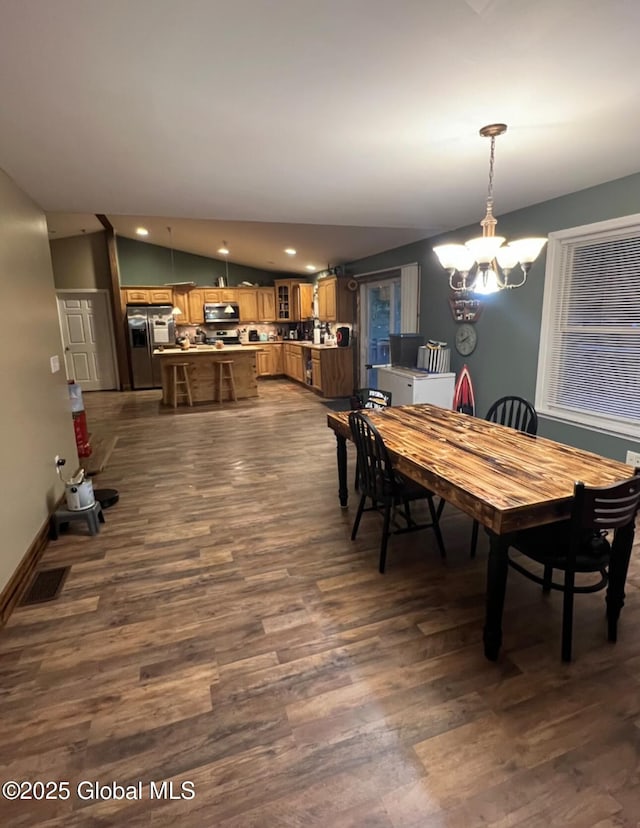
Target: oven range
x,y
229,337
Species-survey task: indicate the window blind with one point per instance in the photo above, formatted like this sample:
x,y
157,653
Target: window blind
x,y
590,344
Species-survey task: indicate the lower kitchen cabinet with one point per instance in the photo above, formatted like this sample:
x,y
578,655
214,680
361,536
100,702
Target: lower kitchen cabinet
x,y
329,371
336,372
269,361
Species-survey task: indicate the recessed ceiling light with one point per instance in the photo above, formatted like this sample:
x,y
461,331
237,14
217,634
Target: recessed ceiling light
x,y
290,251
310,267
224,251
142,231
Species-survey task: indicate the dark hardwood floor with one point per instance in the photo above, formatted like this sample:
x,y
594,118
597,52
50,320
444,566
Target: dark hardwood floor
x,y
223,629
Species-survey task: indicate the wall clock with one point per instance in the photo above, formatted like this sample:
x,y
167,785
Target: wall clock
x,y
466,339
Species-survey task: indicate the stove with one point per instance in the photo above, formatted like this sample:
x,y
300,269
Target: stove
x,y
229,337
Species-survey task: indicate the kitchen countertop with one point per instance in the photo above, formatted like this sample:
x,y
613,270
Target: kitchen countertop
x,y
304,343
207,349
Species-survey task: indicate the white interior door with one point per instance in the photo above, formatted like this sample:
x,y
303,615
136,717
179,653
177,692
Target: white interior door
x,y
87,338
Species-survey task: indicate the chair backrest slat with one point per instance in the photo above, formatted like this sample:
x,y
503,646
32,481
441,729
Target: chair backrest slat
x,y
374,464
609,507
514,412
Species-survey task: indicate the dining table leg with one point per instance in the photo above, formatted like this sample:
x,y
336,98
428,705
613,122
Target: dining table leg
x,y
618,566
341,452
497,569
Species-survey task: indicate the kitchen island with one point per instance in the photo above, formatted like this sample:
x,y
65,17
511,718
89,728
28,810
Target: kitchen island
x,y
203,370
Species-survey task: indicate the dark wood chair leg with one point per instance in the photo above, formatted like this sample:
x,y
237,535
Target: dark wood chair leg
x,y
567,614
356,522
441,505
385,537
618,566
546,578
474,538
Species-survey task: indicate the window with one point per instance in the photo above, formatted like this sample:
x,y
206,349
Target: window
x,y
589,360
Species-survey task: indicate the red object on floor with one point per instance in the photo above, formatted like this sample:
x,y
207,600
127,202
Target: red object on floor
x,y
83,443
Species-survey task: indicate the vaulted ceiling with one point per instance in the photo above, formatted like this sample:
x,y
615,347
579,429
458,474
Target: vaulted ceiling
x,y
340,128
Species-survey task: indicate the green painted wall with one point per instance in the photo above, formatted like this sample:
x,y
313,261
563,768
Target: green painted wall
x,y
506,359
141,263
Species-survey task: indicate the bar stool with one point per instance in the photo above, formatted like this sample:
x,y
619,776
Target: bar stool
x,y
225,375
181,384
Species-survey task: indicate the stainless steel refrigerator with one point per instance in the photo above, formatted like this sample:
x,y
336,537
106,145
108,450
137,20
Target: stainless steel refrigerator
x,y
148,326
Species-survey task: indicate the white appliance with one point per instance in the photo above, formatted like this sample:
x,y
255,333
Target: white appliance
x,y
409,387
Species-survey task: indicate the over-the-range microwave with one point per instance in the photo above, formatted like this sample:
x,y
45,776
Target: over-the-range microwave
x,y
222,312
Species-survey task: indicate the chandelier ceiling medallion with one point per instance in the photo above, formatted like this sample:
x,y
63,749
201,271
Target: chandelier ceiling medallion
x,y
484,264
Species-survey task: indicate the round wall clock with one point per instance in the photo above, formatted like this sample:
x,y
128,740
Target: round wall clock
x,y
466,339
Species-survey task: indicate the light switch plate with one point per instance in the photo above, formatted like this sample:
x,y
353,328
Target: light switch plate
x,y
55,363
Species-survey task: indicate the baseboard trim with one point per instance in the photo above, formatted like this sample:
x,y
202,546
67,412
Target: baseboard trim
x,y
19,582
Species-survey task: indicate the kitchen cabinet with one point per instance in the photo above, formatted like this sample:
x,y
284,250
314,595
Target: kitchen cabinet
x,y
215,295
266,304
408,387
335,300
293,364
316,371
305,300
294,300
146,296
181,302
269,361
336,371
195,305
248,302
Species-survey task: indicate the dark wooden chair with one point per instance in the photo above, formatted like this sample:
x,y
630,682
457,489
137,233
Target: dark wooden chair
x,y
579,545
388,491
368,398
514,412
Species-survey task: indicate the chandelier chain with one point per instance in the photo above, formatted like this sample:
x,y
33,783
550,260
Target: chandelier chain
x,y
491,164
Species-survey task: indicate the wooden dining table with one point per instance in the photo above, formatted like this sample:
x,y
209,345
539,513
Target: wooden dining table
x,y
503,478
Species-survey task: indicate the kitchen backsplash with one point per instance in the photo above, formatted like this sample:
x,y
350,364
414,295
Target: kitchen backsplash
x,y
273,331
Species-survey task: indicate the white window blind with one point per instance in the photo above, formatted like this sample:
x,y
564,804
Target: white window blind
x,y
589,362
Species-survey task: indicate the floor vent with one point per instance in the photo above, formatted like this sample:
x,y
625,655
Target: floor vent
x,y
46,586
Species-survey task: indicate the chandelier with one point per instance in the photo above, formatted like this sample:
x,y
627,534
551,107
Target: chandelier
x,y
484,264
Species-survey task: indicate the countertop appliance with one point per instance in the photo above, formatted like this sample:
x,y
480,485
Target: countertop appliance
x,y
148,326
342,337
254,336
222,312
229,337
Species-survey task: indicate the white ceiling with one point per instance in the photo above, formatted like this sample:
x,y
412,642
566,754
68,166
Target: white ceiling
x,y
353,123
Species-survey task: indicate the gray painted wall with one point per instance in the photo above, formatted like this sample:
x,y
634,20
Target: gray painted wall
x,y
142,263
506,359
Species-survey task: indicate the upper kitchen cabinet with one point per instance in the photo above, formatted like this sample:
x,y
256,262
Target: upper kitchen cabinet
x,y
181,302
293,300
195,306
305,300
146,296
335,300
215,295
266,304
248,302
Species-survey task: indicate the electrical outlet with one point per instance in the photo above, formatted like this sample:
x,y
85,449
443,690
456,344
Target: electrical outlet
x,y
633,458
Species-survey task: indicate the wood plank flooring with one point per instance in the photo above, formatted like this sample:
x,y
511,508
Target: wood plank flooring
x,y
223,629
